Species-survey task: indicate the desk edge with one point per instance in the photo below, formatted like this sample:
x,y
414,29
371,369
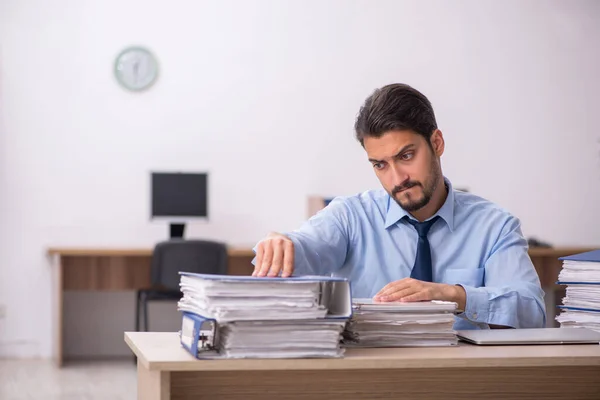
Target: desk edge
x,y
234,365
141,358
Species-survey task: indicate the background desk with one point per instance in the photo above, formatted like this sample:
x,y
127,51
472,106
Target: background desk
x,y
129,269
112,270
166,371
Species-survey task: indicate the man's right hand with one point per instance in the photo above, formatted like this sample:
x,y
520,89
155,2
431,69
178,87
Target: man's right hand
x,y
274,255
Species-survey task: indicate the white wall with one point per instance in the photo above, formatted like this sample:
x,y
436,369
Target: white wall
x,y
263,94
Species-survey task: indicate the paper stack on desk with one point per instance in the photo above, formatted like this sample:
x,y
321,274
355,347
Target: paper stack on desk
x,y
398,324
581,305
246,317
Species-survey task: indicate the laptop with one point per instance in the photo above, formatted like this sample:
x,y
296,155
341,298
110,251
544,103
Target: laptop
x,y
530,336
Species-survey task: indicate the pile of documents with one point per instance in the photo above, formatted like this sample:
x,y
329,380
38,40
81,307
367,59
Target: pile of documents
x,y
581,305
246,317
396,324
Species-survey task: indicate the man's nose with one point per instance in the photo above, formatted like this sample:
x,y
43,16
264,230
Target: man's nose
x,y
399,175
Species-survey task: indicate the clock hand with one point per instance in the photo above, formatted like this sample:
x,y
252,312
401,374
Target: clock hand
x,y
136,67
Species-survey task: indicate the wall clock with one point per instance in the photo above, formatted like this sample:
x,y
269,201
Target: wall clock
x,y
136,68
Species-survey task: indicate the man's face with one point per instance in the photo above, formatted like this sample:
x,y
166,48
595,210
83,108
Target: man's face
x,y
406,166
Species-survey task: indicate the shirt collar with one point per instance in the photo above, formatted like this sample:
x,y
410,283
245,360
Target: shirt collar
x,y
395,213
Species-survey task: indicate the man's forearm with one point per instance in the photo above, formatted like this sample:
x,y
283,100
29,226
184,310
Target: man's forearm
x,y
517,307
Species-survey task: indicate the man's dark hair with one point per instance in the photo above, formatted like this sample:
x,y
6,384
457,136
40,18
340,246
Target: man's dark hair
x,y
395,107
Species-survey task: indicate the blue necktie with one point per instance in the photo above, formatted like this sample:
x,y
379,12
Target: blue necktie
x,y
423,268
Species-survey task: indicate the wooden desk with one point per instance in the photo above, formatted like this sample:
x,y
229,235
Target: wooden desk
x,y
84,269
123,269
166,371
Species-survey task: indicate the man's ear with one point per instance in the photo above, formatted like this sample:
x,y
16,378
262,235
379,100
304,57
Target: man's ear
x,y
437,142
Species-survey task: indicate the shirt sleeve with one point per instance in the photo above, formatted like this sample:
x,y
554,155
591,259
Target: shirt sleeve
x,y
512,295
321,243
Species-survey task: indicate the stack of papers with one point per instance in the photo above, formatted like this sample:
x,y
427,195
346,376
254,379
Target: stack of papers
x,y
282,339
264,317
581,305
237,300
581,295
569,318
398,324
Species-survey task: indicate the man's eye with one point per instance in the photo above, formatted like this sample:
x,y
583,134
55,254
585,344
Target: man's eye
x,y
407,156
378,165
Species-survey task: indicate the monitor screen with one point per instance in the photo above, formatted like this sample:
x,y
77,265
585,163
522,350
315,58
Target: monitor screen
x,y
179,194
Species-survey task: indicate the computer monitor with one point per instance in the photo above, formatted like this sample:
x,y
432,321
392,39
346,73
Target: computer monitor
x,y
179,197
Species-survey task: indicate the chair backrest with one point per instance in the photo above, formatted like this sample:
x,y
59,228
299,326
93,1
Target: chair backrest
x,y
199,256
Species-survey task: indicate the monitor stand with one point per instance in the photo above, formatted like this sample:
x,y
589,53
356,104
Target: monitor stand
x,y
177,230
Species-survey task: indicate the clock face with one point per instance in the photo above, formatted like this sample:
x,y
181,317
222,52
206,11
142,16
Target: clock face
x,y
136,68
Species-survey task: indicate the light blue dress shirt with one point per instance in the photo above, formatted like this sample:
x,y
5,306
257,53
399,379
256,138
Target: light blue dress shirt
x,y
475,244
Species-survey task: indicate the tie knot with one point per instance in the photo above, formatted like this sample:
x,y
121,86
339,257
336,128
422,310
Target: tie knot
x,y
423,227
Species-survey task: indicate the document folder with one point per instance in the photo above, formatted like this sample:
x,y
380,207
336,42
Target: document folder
x,y
335,292
580,269
204,338
588,256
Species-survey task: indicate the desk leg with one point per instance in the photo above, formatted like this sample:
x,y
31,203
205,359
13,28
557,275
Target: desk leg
x,y
548,269
58,290
153,385
548,287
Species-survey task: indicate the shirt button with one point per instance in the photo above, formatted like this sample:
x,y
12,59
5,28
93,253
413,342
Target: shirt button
x,y
474,315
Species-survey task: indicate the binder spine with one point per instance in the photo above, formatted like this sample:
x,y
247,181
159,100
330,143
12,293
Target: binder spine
x,y
198,334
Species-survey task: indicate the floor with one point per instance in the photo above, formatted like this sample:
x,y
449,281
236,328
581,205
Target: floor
x,y
35,379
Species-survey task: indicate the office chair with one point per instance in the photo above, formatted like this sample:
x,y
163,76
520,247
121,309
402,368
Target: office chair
x,y
168,259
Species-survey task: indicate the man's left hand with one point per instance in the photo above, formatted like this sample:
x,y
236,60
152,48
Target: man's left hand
x,y
409,289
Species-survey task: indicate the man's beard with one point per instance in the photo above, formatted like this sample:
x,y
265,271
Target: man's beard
x,y
428,190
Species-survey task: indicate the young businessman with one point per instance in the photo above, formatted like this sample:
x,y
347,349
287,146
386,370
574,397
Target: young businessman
x,y
418,239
